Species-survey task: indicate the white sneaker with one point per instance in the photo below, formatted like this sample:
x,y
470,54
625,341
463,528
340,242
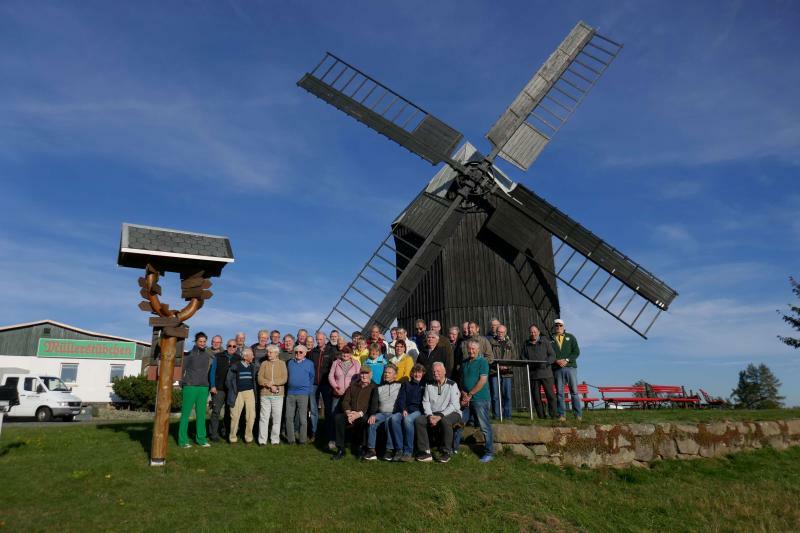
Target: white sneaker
x,y
332,445
187,445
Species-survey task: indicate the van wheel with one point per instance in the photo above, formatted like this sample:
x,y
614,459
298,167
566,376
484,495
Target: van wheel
x,y
44,414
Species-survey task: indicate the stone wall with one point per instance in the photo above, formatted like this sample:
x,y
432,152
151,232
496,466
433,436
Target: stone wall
x,y
621,445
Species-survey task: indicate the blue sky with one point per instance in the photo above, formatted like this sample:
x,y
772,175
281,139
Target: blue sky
x,y
685,157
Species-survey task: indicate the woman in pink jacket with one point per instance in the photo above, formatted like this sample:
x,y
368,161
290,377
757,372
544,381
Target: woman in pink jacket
x,y
343,372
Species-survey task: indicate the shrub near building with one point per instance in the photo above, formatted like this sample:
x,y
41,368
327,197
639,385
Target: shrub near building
x,y
140,393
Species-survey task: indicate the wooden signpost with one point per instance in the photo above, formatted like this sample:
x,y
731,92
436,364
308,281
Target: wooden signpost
x,y
196,257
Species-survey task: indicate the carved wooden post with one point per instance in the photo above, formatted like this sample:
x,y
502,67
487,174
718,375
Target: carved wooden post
x,y
166,367
196,257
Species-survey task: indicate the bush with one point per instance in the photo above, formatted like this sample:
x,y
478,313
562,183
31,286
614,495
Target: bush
x,y
140,393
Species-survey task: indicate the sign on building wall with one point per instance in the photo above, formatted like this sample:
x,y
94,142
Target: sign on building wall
x,y
86,349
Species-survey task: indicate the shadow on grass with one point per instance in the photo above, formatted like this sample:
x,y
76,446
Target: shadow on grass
x,y
141,432
6,449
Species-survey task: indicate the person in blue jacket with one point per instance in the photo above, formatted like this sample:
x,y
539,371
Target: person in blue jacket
x,y
409,405
298,390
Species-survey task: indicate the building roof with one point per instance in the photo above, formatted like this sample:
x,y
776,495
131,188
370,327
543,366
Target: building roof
x,y
73,328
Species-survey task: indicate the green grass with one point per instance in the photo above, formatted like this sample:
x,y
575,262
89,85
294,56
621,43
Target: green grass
x,y
96,477
635,416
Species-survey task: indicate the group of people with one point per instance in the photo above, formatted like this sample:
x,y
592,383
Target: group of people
x,y
406,390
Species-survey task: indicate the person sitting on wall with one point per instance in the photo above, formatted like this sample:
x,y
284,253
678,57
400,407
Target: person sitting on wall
x,y
441,409
409,404
357,401
387,394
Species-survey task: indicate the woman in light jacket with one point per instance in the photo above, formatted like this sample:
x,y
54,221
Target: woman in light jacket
x,y
343,372
272,377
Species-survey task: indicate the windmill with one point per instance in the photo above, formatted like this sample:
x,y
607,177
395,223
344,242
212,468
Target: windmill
x,y
474,244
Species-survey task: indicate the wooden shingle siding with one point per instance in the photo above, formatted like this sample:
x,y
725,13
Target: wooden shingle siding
x,y
478,277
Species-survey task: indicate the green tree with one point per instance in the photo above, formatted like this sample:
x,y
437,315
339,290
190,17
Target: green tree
x,y
793,317
648,392
757,388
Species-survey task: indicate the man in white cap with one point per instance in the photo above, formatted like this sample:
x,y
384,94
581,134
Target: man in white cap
x,y
565,369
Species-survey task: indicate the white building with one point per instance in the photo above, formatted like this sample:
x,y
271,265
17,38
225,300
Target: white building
x,y
87,361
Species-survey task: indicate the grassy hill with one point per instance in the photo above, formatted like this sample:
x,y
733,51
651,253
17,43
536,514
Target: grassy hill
x,y
96,477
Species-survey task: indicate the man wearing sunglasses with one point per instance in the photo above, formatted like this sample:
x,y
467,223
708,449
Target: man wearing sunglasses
x,y
219,373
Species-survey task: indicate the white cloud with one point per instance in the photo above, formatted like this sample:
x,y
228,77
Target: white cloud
x,y
681,189
676,235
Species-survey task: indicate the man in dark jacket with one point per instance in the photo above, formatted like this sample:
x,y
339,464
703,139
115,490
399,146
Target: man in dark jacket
x,y
358,400
194,379
432,353
540,351
455,339
503,349
217,377
322,356
443,343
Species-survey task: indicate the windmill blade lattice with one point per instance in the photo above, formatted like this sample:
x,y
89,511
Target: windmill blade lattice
x,y
550,98
584,261
372,103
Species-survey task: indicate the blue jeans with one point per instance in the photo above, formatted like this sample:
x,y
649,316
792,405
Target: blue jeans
x,y
406,434
481,410
372,432
568,375
506,386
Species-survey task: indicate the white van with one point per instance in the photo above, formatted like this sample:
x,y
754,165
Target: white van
x,y
43,397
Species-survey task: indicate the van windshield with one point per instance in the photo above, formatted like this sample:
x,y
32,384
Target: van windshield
x,y
55,384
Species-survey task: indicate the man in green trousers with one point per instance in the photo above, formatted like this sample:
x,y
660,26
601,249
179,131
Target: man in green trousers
x,y
196,366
